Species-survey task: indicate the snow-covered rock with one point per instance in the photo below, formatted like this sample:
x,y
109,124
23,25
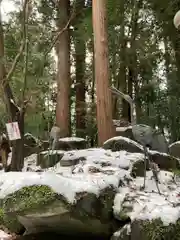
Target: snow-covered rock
x,y
98,194
70,143
122,143
51,200
159,142
163,160
147,209
174,149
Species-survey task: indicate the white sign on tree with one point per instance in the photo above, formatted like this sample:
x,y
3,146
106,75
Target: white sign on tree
x,y
13,131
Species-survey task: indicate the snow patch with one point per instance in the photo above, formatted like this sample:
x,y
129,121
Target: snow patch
x,y
66,186
71,139
150,205
121,129
173,144
4,236
128,140
68,181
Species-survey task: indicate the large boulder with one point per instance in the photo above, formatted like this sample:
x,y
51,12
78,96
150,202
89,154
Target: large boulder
x,y
148,230
159,142
92,191
48,201
148,215
163,161
174,149
71,143
100,158
68,160
123,143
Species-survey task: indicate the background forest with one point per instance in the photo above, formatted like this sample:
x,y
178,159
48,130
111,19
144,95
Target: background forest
x,y
144,61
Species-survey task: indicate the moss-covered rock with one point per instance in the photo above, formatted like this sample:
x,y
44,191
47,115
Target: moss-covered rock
x,y
149,230
25,200
123,233
156,230
40,205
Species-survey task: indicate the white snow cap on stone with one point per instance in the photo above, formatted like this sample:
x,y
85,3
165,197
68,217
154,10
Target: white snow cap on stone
x,y
150,205
68,181
71,139
66,186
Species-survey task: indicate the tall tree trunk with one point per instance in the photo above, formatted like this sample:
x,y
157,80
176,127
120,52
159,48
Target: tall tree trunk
x,y
13,110
63,74
93,141
132,76
123,62
104,101
123,80
80,56
172,90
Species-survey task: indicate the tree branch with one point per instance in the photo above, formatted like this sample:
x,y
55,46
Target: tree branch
x,y
25,19
17,58
61,31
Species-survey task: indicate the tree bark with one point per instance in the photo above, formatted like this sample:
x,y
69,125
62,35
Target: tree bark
x,y
63,74
104,100
132,75
80,56
12,109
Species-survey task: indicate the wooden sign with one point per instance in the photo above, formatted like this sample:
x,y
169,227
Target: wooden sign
x,y
13,131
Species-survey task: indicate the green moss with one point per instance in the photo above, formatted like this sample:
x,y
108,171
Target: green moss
x,y
41,199
10,222
155,230
27,198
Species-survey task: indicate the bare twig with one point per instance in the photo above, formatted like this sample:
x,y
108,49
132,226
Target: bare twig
x,y
25,33
17,58
61,31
